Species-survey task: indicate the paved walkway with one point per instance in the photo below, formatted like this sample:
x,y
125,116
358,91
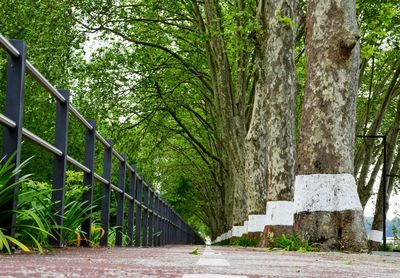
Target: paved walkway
x,y
211,262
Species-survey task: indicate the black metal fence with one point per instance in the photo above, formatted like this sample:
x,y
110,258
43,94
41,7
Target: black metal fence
x,y
154,222
385,176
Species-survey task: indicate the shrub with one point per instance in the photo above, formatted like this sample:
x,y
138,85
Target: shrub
x,y
292,243
246,242
7,172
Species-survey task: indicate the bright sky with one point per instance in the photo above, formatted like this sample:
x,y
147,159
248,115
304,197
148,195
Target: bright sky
x,y
394,204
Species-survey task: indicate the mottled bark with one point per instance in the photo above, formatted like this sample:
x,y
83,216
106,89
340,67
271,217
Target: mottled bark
x,y
230,115
327,134
280,81
269,141
256,153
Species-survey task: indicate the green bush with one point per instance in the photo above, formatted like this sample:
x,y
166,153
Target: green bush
x,y
36,196
292,243
7,172
246,242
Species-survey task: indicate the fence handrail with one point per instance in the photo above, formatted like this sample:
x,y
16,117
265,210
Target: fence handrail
x,y
148,202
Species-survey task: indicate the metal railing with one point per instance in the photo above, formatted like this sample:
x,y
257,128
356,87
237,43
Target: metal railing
x,y
385,176
155,222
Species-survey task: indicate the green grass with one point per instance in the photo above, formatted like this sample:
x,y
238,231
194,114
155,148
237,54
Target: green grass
x,y
246,242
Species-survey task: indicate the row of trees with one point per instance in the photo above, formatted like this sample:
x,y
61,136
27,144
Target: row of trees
x,y
214,98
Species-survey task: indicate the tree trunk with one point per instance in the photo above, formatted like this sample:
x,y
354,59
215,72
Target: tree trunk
x,y
327,207
274,110
255,151
231,124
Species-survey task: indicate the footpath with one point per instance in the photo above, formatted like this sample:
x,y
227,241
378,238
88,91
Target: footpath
x,y
207,262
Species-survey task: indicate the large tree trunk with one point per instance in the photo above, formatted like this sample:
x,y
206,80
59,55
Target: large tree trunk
x,y
256,161
274,97
255,150
229,114
327,207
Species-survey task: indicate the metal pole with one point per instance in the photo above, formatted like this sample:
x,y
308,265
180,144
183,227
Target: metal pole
x,y
162,223
12,137
384,191
157,220
120,202
145,215
138,211
132,188
151,222
105,202
88,180
60,165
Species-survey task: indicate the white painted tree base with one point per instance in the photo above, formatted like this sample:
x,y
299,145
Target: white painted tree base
x,y
326,192
256,223
280,213
376,236
238,231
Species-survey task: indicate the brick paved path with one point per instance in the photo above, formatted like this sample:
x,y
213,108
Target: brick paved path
x,y
214,262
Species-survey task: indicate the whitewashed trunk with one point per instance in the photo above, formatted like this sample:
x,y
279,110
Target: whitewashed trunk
x,y
327,207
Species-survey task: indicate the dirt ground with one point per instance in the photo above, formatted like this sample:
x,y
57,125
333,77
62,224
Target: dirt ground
x,y
214,262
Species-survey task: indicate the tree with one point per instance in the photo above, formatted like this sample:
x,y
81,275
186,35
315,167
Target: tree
x,y
272,125
327,206
51,39
378,102
197,41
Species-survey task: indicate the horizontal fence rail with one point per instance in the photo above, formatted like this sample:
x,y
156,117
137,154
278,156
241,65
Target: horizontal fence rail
x,y
155,222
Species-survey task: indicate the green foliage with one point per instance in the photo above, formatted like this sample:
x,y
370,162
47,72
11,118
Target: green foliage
x,y
7,172
225,242
348,262
36,197
292,243
285,20
194,252
136,91
246,242
35,220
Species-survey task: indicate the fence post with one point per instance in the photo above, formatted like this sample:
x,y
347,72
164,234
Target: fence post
x,y
151,218
60,164
145,214
120,202
168,224
12,137
105,202
138,222
160,223
88,181
384,192
132,189
157,221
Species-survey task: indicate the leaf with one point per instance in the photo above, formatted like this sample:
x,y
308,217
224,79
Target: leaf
x,y
38,245
18,243
195,252
348,262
